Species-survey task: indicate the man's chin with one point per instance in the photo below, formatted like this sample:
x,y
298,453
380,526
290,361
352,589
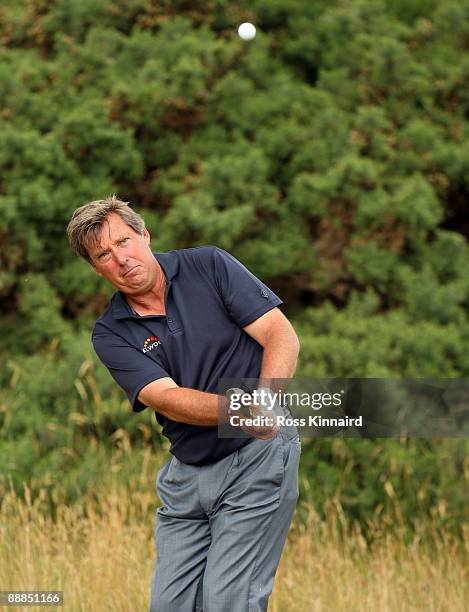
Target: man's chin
x,y
136,287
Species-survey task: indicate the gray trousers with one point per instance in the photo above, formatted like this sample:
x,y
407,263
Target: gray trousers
x,y
222,528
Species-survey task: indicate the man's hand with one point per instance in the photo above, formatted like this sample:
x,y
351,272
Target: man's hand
x,y
264,431
250,411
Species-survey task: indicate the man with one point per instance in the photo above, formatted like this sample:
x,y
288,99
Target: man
x,y
177,324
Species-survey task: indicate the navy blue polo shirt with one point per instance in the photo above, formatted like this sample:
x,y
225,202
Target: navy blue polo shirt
x,y
210,296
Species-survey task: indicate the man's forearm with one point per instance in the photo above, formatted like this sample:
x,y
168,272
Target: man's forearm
x,y
280,356
191,406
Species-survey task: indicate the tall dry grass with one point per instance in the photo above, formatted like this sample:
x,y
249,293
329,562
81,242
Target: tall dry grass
x,y
100,553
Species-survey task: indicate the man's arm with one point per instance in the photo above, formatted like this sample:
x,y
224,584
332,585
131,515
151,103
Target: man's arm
x,y
274,333
193,407
182,404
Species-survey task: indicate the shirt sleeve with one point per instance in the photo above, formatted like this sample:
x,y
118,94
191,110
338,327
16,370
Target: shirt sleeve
x,y
245,296
131,369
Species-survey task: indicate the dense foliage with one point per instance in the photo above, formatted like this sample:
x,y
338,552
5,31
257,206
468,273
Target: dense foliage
x,y
330,155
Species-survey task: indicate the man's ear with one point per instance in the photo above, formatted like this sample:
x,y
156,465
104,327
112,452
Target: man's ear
x,y
146,235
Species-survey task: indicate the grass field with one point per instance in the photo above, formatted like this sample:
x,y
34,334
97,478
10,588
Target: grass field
x,y
101,554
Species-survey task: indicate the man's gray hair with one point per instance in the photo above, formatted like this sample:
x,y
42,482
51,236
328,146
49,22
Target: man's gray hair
x,y
87,221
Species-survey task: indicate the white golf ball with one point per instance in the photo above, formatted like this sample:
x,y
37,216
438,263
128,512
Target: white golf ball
x,y
247,31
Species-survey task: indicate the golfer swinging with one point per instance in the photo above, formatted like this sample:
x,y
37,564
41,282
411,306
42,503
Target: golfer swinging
x,y
178,322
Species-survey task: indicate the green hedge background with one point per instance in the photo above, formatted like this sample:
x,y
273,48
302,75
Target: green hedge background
x,y
330,155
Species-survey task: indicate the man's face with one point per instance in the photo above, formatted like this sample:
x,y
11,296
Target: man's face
x,y
123,257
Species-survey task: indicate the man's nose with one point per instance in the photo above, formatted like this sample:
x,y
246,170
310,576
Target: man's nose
x,y
121,258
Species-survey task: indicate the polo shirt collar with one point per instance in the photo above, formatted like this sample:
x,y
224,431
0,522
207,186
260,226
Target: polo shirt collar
x,y
168,261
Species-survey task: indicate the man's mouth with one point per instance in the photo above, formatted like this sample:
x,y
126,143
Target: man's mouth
x,y
129,270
